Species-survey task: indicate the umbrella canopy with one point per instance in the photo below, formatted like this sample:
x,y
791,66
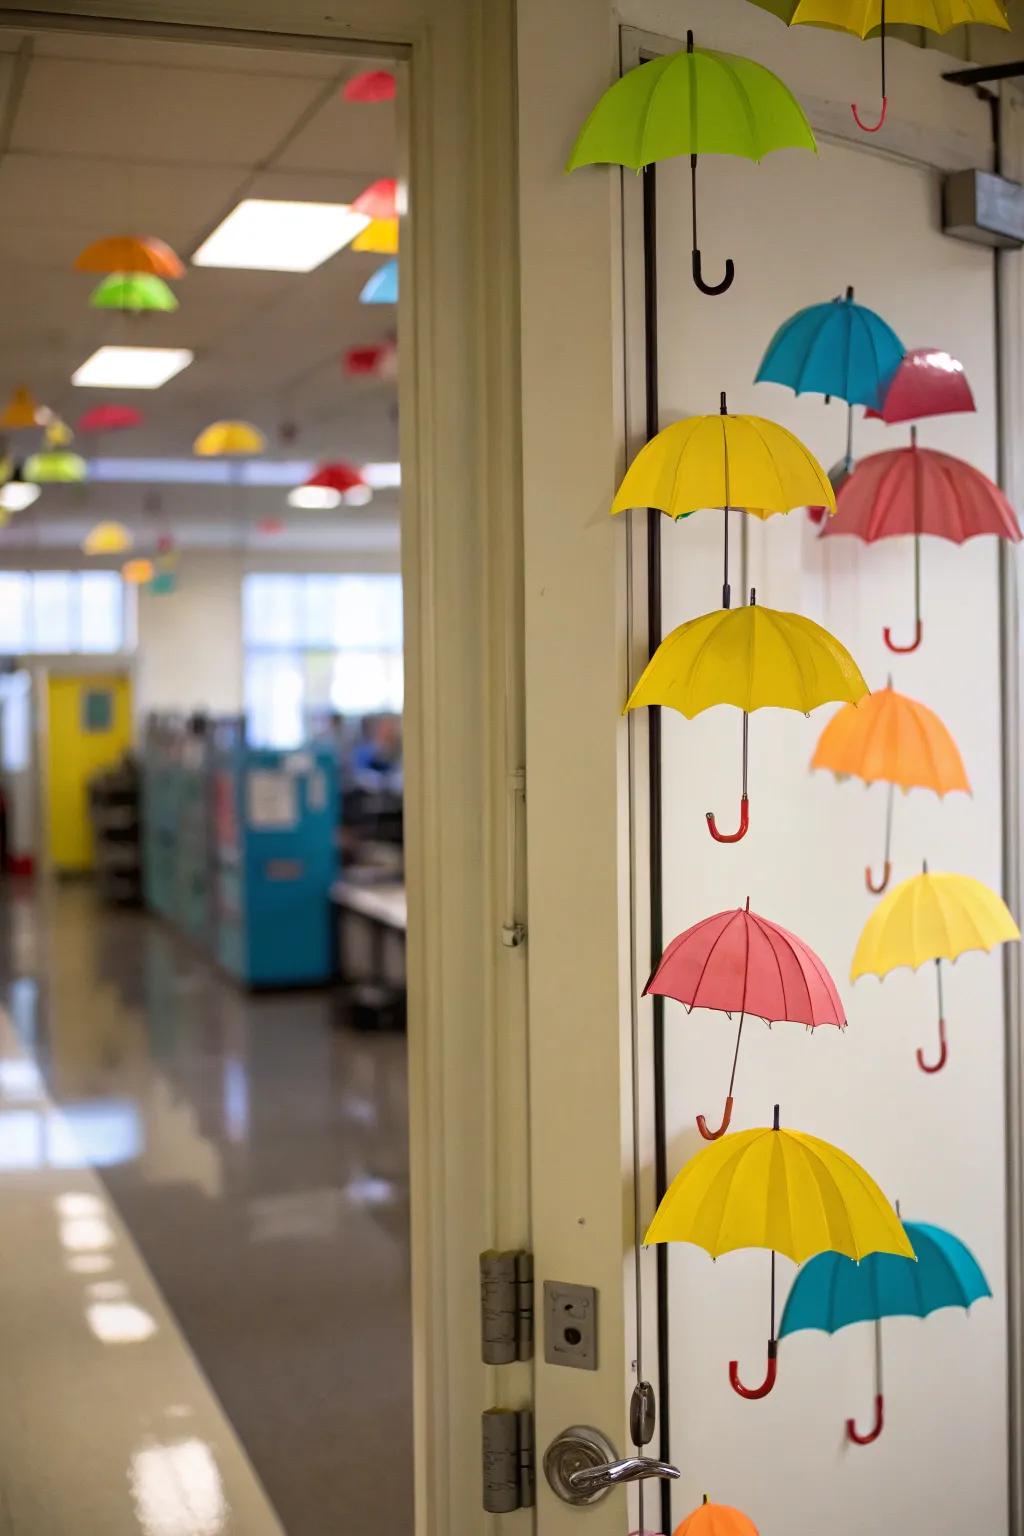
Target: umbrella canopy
x,y
716,1520
379,200
840,348
739,962
130,253
109,418
371,85
382,287
137,572
107,539
58,467
228,439
337,476
21,411
380,237
695,102
138,292
928,382
891,738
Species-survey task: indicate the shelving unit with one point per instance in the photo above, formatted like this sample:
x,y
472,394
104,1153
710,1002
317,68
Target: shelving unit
x,y
114,815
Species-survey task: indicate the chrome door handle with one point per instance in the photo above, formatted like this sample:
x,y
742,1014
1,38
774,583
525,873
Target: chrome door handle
x,y
581,1466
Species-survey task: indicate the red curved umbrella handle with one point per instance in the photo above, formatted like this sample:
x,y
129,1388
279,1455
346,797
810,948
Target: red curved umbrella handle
x,y
712,288
876,890
702,1124
936,1066
876,1429
769,1380
870,127
904,650
731,837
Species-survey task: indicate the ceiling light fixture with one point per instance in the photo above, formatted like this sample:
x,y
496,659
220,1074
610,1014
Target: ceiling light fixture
x,y
382,477
271,235
131,367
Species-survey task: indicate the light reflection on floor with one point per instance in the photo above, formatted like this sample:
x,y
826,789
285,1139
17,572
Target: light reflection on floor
x,y
257,1157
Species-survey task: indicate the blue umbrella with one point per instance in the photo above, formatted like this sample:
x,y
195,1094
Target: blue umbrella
x,y
382,287
831,1292
839,348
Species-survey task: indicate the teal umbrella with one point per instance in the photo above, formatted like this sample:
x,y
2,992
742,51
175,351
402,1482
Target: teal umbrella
x,y
831,1292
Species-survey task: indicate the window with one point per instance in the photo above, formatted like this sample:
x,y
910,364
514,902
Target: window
x,y
55,613
330,642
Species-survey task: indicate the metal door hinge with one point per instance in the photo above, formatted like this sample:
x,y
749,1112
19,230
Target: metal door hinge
x,y
506,1306
508,1466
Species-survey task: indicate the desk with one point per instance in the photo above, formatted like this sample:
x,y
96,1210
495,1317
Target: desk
x,y
371,922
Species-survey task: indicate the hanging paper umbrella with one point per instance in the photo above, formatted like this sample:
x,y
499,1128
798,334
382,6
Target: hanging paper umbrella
x,y
380,238
932,917
716,1520
138,572
693,103
107,539
109,418
163,584
862,17
379,361
371,86
130,253
337,476
750,657
135,292
229,439
379,201
58,467
920,490
782,1190
57,433
22,411
382,287
830,1293
739,962
926,383
723,461
894,740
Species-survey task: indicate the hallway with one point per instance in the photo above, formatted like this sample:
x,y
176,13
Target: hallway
x,y
255,1157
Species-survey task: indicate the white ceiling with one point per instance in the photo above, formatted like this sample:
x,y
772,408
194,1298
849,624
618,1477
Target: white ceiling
x,y
102,136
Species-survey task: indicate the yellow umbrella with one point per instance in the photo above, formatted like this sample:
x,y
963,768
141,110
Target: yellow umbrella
x,y
782,1190
228,439
742,462
752,658
57,434
932,917
380,236
107,539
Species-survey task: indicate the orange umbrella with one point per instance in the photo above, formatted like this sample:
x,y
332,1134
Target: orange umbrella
x,y
130,253
716,1520
22,410
889,738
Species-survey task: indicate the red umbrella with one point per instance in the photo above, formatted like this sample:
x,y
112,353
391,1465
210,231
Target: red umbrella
x,y
919,490
109,418
371,85
928,382
379,201
739,962
337,477
371,362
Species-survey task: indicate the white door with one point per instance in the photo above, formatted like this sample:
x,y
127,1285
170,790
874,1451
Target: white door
x,y
800,228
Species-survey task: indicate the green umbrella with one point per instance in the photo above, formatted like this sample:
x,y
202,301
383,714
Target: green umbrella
x,y
135,291
695,102
53,468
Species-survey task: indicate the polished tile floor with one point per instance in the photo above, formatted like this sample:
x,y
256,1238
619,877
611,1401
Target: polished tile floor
x,y
207,1205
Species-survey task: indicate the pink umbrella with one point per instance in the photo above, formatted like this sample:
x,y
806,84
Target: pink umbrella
x,y
371,86
739,962
379,200
109,418
928,382
919,490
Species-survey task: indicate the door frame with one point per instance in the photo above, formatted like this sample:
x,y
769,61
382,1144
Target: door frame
x,y
462,572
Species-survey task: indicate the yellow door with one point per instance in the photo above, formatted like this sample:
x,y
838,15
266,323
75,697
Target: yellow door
x,y
88,728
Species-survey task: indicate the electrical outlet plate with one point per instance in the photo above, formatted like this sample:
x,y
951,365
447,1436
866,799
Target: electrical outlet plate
x,y
570,1325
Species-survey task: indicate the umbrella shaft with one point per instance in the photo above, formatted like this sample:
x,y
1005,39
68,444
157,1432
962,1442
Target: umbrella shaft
x,y
726,589
938,982
879,1388
736,1055
772,1333
888,821
746,750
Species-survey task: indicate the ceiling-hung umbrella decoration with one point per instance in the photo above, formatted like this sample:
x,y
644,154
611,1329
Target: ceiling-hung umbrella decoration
x,y
57,433
928,382
22,411
379,200
379,361
138,573
379,238
372,85
229,439
932,917
109,418
695,102
752,658
382,287
782,1190
55,466
739,962
716,1520
830,1292
329,486
107,538
17,494
891,739
920,491
130,253
724,462
862,17
134,293
841,349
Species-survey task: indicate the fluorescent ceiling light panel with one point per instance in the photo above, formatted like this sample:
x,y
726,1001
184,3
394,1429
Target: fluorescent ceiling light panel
x,y
382,477
131,367
270,235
